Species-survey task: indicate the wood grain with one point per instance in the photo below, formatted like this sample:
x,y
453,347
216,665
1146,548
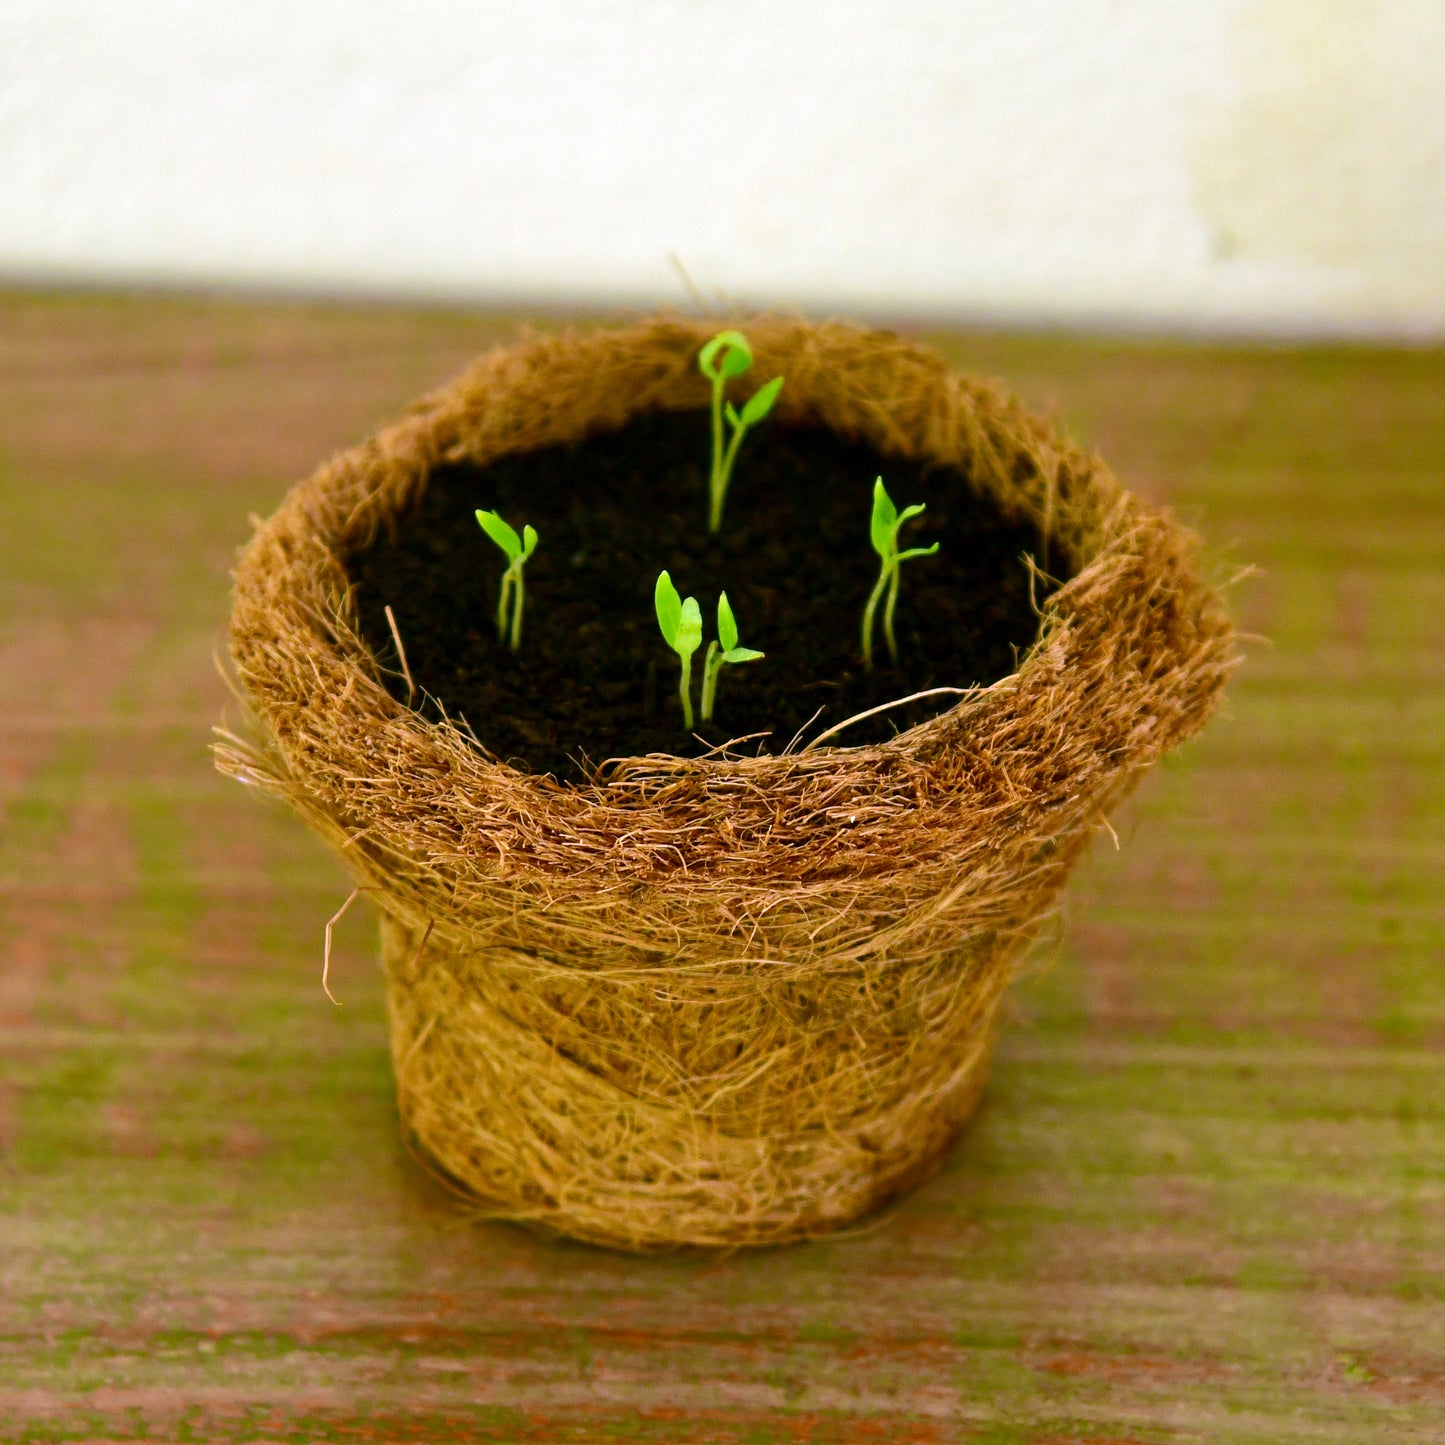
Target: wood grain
x,y
1205,1199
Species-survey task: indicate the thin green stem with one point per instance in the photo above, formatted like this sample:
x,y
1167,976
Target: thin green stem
x,y
888,610
717,482
725,476
684,691
711,666
518,596
869,610
502,610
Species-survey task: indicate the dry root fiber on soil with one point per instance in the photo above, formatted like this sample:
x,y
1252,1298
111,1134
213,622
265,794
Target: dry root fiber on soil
x,y
733,1000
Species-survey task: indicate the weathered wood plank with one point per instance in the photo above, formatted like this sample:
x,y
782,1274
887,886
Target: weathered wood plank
x,y
1206,1196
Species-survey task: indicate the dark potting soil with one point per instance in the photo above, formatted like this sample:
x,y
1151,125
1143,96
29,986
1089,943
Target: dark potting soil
x,y
594,680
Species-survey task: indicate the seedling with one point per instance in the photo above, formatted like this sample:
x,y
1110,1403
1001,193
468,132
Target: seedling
x,y
887,520
517,550
725,356
681,625
724,650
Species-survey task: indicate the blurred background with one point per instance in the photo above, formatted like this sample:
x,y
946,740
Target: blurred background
x,y
1203,1197
1244,166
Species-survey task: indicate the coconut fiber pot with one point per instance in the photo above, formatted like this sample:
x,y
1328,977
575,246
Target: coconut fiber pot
x,y
743,997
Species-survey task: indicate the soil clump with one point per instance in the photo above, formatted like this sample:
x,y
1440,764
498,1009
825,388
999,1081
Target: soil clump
x,y
594,680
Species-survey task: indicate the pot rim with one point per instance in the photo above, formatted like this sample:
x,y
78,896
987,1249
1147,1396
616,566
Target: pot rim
x,y
411,794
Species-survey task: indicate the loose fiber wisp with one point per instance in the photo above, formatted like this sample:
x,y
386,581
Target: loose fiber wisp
x,y
731,1000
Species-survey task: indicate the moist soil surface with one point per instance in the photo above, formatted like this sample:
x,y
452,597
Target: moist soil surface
x,y
594,680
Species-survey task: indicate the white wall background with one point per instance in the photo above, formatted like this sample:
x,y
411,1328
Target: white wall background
x,y
1266,165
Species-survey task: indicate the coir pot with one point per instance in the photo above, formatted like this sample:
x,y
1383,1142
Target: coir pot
x,y
734,999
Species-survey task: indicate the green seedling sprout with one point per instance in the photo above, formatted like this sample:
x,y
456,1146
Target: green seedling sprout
x,y
681,625
887,520
724,650
517,550
725,356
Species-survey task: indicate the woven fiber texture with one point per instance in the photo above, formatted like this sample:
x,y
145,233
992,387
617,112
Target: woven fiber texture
x,y
731,1000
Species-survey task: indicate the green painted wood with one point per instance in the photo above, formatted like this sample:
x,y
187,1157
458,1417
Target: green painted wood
x,y
1205,1199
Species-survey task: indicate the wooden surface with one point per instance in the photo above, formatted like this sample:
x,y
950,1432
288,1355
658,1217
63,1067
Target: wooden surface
x,y
1205,1197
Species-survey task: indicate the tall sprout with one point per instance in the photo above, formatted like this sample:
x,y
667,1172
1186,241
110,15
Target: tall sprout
x,y
883,531
516,550
680,623
728,355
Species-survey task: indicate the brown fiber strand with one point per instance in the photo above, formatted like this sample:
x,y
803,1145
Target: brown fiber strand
x,y
733,1000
